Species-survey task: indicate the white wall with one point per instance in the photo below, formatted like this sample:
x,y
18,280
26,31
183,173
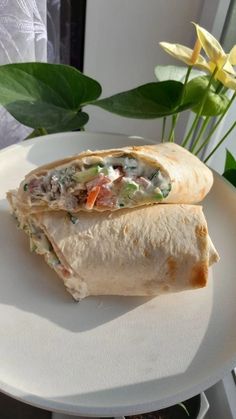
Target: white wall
x,y
121,50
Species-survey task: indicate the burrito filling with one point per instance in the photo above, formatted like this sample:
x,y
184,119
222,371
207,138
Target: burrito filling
x,y
113,183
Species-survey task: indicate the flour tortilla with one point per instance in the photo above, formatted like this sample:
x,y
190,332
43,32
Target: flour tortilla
x,y
139,252
190,179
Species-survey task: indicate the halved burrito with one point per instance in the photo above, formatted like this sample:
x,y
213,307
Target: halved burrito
x,y
138,252
120,178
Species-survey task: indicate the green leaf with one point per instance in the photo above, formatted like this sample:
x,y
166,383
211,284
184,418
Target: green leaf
x,y
47,95
50,117
174,72
230,175
230,162
215,103
152,100
185,408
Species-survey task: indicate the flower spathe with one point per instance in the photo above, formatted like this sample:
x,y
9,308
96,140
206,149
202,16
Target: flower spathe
x,y
211,46
185,54
215,52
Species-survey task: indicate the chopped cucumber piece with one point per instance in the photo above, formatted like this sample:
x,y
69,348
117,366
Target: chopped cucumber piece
x,y
104,170
165,192
158,196
129,188
86,175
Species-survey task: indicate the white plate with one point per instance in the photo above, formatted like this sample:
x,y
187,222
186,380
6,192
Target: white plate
x,y
109,356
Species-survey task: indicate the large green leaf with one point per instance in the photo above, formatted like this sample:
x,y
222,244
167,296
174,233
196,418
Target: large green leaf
x,y
230,175
47,95
152,100
50,117
215,103
230,162
174,72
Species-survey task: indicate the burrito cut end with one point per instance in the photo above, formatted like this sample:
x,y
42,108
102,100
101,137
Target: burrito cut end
x,y
118,178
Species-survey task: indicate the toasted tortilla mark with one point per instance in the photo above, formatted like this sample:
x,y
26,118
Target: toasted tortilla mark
x,y
136,148
135,241
152,285
166,288
199,275
146,253
202,193
172,267
172,158
201,231
125,229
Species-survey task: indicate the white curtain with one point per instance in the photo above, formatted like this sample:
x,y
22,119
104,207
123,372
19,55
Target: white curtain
x,y
23,37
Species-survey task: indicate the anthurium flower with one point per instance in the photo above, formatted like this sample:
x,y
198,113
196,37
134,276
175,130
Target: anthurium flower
x,y
218,58
215,52
232,56
212,47
185,54
227,80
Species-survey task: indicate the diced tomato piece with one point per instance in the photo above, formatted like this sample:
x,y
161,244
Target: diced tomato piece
x,y
92,196
142,182
105,198
64,271
99,180
33,184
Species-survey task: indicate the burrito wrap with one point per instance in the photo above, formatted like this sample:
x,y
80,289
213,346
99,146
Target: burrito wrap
x,y
145,251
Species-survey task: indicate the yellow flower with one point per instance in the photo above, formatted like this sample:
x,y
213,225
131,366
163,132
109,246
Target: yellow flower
x,y
232,56
215,52
185,54
226,79
218,58
212,47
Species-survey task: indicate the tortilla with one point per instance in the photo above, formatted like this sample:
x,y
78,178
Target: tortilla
x,y
189,179
137,252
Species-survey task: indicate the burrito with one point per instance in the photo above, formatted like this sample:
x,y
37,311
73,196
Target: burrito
x,y
143,251
118,178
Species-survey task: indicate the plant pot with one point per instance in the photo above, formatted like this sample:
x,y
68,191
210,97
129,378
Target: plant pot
x,y
197,407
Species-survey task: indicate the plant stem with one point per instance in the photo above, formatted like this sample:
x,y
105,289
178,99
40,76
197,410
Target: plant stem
x,y
172,133
163,129
201,131
176,116
37,132
221,141
216,125
197,117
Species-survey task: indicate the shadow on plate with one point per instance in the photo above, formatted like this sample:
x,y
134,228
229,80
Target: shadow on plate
x,y
29,284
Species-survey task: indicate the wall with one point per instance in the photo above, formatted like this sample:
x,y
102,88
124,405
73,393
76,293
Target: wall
x,y
121,50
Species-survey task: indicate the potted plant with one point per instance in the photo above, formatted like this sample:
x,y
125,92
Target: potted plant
x,y
51,98
194,408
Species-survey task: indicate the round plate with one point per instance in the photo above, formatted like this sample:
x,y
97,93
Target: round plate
x,y
109,356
